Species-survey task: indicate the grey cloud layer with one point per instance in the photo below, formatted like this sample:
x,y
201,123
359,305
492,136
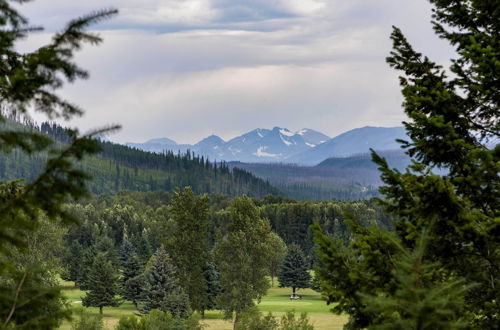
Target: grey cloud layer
x,y
226,67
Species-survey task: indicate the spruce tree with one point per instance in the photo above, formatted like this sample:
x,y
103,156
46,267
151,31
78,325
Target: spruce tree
x,y
102,284
213,289
160,284
131,279
294,273
126,250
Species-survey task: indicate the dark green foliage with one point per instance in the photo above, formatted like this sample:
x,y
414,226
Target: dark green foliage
x,y
102,284
242,255
452,122
157,320
360,267
71,259
133,290
86,261
131,279
126,251
213,288
292,221
161,284
294,271
28,81
422,299
176,302
188,243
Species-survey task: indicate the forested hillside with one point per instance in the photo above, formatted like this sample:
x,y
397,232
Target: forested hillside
x,y
119,167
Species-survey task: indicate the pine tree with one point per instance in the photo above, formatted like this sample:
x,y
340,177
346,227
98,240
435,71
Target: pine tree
x,y
242,254
294,272
453,122
102,284
188,244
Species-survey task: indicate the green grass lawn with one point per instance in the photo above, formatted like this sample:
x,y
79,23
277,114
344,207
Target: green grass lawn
x,y
276,301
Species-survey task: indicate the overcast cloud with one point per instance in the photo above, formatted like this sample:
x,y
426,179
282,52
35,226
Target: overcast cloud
x,y
185,69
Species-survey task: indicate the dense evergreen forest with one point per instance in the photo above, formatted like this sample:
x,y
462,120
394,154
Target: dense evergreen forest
x,y
119,167
349,178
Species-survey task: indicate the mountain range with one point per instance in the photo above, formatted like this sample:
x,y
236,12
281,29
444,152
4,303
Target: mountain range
x,y
280,145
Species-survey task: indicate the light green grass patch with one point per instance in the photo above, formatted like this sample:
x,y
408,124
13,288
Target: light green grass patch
x,y
277,301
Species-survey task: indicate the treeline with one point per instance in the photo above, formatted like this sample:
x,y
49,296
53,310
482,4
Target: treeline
x,y
143,218
119,167
318,182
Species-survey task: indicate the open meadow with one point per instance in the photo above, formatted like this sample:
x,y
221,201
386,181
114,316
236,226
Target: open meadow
x,y
276,301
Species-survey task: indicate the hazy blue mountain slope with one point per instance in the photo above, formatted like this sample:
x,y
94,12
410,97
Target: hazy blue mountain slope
x,y
353,142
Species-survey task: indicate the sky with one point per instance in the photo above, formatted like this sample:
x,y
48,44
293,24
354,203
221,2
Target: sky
x,y
186,69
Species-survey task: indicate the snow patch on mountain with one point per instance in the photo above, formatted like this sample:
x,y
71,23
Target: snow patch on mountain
x,y
261,152
302,131
288,143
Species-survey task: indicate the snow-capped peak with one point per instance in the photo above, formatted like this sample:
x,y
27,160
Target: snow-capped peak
x,y
286,132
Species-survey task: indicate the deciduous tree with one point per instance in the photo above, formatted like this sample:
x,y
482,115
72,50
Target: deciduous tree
x,y
188,243
242,255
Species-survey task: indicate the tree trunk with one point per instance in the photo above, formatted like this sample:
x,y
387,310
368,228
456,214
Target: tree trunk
x,y
100,310
293,290
272,281
202,313
236,320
